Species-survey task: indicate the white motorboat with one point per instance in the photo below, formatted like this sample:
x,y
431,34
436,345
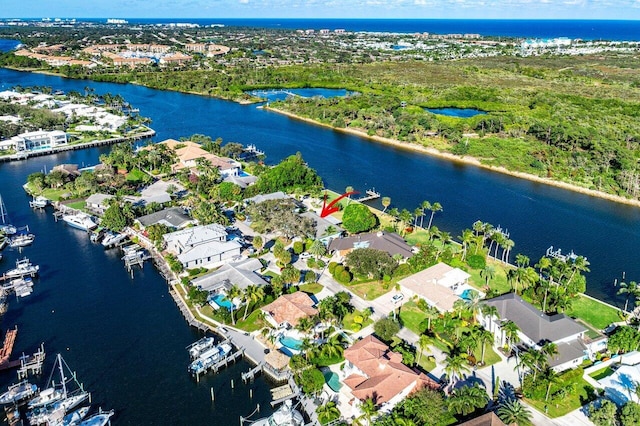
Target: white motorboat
x,y
75,417
39,202
99,419
80,221
198,348
46,396
113,238
18,392
21,240
209,358
23,268
286,415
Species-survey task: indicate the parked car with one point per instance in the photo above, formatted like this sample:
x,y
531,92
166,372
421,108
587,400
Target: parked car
x,y
397,297
305,255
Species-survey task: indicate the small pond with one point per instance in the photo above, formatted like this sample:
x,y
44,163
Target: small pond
x,y
272,95
456,112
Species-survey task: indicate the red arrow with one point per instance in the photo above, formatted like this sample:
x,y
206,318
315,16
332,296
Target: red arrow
x,y
331,208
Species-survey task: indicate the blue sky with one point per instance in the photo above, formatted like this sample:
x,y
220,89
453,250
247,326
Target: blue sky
x,y
453,9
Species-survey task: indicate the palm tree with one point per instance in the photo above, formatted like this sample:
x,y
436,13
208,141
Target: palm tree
x,y
507,245
368,408
423,343
305,324
327,412
580,264
405,218
386,202
317,249
307,346
510,330
431,314
232,293
552,378
435,207
333,347
425,206
252,294
394,213
466,238
488,273
522,261
418,212
467,399
491,312
512,412
454,365
549,349
484,337
630,289
346,190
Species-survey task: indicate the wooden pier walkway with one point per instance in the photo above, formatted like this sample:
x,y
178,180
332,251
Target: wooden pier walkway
x,y
251,374
7,347
371,195
223,363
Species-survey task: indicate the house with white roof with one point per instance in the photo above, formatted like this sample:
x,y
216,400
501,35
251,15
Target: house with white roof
x,y
241,274
201,246
439,285
39,139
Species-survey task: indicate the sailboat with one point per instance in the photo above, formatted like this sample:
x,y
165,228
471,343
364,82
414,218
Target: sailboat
x,y
56,401
5,228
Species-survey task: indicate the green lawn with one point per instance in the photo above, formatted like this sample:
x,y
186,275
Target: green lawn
x,y
602,373
571,401
349,324
371,289
311,288
137,175
411,316
252,323
593,312
498,282
418,236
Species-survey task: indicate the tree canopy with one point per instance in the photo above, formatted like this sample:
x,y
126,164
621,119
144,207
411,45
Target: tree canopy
x,y
371,262
358,218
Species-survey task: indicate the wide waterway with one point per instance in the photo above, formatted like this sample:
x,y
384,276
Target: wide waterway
x,y
126,338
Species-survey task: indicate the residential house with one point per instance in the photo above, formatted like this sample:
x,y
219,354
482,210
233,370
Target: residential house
x,y
537,328
440,285
188,152
33,141
158,192
287,310
202,246
373,371
173,217
327,228
98,203
242,274
261,198
487,419
389,242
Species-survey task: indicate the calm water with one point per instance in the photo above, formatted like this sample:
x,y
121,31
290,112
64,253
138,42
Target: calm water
x,y
456,112
278,94
521,28
126,338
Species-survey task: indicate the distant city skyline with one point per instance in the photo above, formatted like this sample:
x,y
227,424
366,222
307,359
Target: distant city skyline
x,y
348,9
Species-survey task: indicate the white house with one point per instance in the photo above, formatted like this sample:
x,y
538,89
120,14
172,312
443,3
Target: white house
x,y
201,246
440,285
40,139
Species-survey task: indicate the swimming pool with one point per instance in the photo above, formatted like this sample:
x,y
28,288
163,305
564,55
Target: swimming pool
x,y
468,294
222,301
291,343
333,381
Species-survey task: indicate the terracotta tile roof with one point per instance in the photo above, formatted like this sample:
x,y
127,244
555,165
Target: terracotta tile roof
x,y
291,308
386,376
488,419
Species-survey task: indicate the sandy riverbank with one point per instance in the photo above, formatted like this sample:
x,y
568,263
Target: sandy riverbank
x,y
467,160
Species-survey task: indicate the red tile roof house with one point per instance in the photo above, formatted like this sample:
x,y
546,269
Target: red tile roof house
x,y
287,310
374,371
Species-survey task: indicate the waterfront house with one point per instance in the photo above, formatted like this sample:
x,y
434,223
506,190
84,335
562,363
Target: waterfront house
x,y
327,228
201,246
373,371
188,152
622,385
241,274
287,310
173,217
438,285
98,203
158,192
487,419
389,242
33,141
261,198
537,328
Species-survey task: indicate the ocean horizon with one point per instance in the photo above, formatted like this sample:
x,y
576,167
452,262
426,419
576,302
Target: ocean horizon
x,y
585,29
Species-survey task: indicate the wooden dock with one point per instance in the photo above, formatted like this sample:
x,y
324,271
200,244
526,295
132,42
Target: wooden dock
x,y
7,347
31,364
371,195
223,363
251,374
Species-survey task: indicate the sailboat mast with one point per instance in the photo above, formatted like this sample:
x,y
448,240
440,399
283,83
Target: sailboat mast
x,y
62,378
3,212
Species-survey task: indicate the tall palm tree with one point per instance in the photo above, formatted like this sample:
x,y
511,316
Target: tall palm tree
x,y
454,365
431,313
305,324
466,238
512,412
435,207
233,293
418,212
484,337
405,218
549,349
368,408
488,273
426,205
507,245
423,343
317,249
552,378
251,295
580,264
631,289
394,213
510,330
522,261
334,346
386,202
491,312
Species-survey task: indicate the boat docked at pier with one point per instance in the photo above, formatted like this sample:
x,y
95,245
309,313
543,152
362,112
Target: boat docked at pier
x,y
99,419
53,403
21,240
198,348
208,358
5,228
23,268
113,238
286,415
18,392
75,417
79,221
39,202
